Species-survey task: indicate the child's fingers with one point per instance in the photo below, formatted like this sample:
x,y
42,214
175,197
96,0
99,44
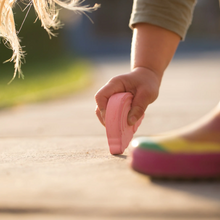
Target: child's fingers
x,y
103,95
100,116
101,98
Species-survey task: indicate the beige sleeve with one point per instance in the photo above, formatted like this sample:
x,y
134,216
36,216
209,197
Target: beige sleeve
x,y
173,15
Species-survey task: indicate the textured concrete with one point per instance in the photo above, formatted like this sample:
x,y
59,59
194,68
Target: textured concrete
x,y
55,163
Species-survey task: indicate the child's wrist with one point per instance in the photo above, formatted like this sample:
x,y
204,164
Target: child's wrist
x,y
149,71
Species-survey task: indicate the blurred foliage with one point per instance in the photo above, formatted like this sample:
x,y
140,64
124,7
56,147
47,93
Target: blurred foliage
x,y
35,41
49,71
43,82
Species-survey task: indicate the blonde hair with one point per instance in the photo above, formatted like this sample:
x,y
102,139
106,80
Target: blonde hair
x,y
47,12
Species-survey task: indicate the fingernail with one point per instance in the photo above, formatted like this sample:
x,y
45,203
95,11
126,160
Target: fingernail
x,y
132,120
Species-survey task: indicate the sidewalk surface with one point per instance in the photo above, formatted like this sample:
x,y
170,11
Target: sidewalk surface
x,y
55,162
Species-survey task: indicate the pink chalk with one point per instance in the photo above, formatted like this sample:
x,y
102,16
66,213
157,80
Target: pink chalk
x,y
119,133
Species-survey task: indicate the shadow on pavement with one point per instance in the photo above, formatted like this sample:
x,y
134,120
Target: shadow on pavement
x,y
206,188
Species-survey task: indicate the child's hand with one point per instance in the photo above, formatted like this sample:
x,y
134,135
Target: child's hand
x,y
141,82
152,49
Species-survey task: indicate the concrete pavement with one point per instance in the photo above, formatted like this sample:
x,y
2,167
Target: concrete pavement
x,y
55,162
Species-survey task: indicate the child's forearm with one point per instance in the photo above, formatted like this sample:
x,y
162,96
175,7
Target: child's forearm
x,y
153,48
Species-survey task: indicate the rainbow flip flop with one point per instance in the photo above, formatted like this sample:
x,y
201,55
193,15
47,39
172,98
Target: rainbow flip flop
x,y
175,158
119,133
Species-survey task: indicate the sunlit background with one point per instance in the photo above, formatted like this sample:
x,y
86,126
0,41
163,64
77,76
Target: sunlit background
x,y
55,161
54,63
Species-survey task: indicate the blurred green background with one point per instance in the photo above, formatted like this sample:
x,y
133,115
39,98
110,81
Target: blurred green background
x,y
61,65
49,70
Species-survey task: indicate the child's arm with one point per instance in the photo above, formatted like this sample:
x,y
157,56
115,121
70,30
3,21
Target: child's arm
x,y
152,49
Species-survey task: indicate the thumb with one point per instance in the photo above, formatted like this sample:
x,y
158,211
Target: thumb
x,y
135,114
138,107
